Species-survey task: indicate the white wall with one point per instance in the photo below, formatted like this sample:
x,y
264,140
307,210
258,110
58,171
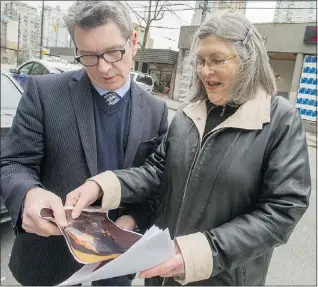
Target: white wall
x,y
12,32
285,69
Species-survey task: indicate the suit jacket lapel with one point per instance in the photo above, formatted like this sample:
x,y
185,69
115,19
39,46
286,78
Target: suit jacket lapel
x,y
136,124
81,94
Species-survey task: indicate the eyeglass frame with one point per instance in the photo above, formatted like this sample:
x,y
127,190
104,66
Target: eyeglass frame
x,y
101,56
209,62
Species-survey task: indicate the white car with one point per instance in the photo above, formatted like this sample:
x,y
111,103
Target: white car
x,y
11,93
145,81
41,67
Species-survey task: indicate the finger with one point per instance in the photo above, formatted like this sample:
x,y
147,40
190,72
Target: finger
x,y
120,224
72,198
82,202
40,227
177,272
48,228
125,223
58,211
159,269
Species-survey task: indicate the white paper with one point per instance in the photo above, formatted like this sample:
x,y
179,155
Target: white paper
x,y
153,248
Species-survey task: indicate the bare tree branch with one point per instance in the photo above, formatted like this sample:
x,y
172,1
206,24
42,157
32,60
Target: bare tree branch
x,y
138,16
157,2
162,5
175,14
158,9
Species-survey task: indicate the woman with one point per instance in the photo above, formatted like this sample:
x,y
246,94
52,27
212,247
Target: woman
x,y
232,173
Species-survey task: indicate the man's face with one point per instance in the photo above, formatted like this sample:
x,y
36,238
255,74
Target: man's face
x,y
107,37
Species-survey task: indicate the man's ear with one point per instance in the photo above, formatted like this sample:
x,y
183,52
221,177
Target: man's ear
x,y
134,43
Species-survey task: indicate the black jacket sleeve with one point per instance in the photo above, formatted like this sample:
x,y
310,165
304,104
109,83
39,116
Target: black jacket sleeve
x,y
22,152
284,197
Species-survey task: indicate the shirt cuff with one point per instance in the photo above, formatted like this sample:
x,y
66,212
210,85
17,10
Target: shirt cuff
x,y
110,185
197,256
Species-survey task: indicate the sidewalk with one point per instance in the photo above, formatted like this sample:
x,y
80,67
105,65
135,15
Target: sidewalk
x,y
311,140
174,105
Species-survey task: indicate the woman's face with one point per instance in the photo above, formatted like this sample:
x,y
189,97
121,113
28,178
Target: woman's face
x,y
217,67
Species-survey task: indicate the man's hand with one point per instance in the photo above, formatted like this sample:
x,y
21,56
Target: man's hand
x,y
36,199
82,197
173,267
126,222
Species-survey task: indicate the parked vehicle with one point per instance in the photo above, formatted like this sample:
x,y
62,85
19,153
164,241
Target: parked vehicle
x,y
41,67
145,81
11,93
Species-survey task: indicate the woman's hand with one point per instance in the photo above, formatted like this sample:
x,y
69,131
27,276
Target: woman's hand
x,y
173,267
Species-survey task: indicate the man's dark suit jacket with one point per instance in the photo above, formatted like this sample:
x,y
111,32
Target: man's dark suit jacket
x,y
52,144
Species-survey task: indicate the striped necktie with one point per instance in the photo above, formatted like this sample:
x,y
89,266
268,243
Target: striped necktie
x,y
110,97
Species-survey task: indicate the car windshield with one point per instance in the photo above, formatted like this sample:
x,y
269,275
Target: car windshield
x,y
10,94
67,68
144,79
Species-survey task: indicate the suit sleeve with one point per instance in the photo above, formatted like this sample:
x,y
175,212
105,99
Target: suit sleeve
x,y
22,152
144,212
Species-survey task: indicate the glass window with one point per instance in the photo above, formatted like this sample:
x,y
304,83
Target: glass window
x,y
144,79
25,70
10,95
39,69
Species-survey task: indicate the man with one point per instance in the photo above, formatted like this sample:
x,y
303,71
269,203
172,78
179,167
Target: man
x,y
70,127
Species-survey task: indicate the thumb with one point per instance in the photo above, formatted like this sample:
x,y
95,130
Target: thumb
x,y
58,211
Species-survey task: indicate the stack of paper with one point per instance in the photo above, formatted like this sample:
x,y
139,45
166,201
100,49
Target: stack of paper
x,y
152,249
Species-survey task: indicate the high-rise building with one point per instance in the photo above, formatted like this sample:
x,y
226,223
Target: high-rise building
x,y
214,6
28,21
295,11
55,33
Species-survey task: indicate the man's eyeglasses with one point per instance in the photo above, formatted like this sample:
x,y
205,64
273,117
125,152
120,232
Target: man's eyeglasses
x,y
212,62
112,56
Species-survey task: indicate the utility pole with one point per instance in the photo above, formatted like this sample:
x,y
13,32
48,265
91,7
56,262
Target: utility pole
x,y
42,23
204,10
18,46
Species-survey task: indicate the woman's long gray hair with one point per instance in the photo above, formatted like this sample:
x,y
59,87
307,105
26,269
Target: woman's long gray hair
x,y
249,47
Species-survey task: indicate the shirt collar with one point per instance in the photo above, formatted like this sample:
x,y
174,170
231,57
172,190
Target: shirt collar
x,y
121,92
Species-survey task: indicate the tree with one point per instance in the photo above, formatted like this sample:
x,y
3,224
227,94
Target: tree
x,y
154,12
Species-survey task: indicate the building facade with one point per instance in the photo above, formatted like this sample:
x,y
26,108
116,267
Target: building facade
x,y
215,6
161,65
292,57
141,34
9,40
295,11
28,21
55,33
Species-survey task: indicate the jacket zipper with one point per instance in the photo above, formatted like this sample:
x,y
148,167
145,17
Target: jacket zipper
x,y
209,135
197,153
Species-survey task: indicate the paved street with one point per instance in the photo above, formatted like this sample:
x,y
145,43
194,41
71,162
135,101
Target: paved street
x,y
292,264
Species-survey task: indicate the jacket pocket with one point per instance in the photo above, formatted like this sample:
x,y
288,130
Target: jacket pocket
x,y
145,149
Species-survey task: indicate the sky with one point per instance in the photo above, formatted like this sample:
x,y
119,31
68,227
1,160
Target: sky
x,y
256,12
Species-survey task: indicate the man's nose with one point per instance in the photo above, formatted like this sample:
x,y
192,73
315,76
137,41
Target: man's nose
x,y
103,66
